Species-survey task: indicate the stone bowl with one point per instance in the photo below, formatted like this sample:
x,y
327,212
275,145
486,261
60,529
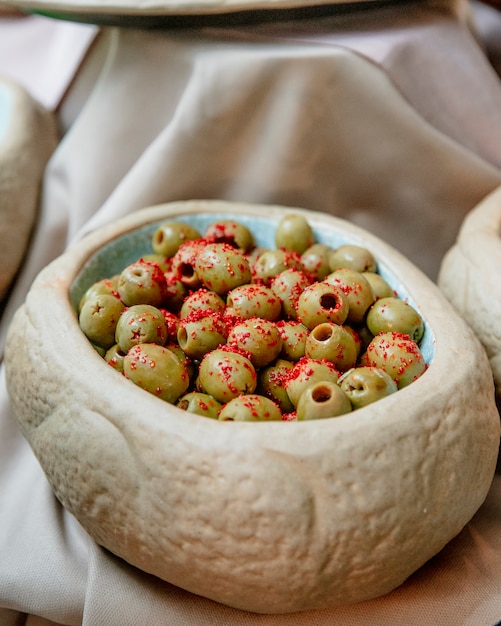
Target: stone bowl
x,y
28,136
265,517
469,277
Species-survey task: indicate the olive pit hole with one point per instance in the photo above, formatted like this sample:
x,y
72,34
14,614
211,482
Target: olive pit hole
x,y
329,301
228,240
186,270
321,393
182,337
322,332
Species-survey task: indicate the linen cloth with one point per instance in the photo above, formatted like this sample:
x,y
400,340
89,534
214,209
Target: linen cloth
x,y
42,55
389,117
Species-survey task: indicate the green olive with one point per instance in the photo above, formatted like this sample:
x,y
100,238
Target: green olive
x,y
175,292
188,363
169,236
294,233
253,300
322,302
221,268
184,263
315,260
142,283
255,253
394,314
380,286
356,333
201,332
357,290
225,375
364,385
364,335
231,232
322,400
172,323
288,286
101,351
304,373
202,300
141,323
334,343
259,338
99,317
250,408
162,261
353,257
200,404
115,357
272,262
294,335
106,286
271,381
158,370
398,355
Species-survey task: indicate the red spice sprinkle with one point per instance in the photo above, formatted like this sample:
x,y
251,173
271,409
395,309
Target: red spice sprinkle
x,y
187,256
109,285
292,259
278,376
231,320
345,288
218,320
172,323
222,233
230,347
303,367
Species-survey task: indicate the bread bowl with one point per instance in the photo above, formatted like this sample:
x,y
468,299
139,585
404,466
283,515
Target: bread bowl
x,y
28,136
469,277
265,517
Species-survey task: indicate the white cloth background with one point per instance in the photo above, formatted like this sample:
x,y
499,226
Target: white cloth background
x,y
390,117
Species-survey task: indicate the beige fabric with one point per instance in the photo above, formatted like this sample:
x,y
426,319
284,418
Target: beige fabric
x,y
46,67
275,113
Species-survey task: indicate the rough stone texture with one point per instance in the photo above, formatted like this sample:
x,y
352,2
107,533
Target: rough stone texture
x,y
28,141
270,517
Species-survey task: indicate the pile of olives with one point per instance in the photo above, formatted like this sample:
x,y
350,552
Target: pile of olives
x,y
222,328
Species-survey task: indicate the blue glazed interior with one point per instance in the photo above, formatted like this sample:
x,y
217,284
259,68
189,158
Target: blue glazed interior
x,y
112,258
